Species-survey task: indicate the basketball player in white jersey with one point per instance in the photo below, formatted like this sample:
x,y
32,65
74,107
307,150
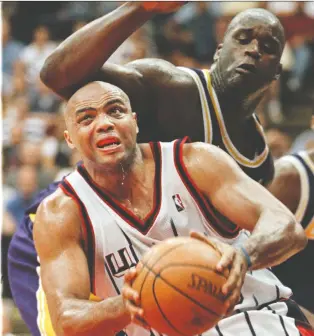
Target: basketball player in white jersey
x,y
293,185
126,197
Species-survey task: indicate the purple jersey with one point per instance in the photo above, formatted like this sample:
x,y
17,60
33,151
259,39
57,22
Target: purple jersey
x,y
22,264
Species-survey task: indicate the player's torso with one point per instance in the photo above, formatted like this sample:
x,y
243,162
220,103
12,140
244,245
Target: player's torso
x,y
120,238
297,271
117,239
194,110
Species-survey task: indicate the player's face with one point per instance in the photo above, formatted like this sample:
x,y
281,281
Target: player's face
x,y
103,128
250,55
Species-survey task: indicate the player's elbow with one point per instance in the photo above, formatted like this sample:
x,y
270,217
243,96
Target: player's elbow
x,y
301,237
297,235
47,76
52,73
45,73
65,324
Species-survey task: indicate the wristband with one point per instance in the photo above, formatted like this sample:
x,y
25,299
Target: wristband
x,y
246,255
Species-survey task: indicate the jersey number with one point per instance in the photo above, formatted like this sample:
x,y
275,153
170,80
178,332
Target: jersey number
x,y
120,261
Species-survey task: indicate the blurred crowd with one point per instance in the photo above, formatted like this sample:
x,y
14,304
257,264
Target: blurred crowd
x,y
34,152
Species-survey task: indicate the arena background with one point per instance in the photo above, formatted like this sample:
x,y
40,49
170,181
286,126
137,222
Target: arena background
x,y
34,152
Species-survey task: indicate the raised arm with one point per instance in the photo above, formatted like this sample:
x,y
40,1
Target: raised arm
x,y
80,58
65,276
275,234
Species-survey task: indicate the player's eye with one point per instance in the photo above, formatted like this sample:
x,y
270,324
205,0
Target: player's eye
x,y
85,118
116,111
268,48
243,39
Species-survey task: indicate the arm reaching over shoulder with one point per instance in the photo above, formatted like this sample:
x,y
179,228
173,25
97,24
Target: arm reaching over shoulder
x,y
80,58
275,234
65,275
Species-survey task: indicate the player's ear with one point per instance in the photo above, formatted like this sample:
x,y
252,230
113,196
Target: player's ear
x,y
134,115
217,53
68,139
279,71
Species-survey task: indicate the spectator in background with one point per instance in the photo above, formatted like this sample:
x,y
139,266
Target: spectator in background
x,y
8,228
84,10
138,45
192,30
35,54
43,100
73,161
305,140
11,51
78,25
279,142
298,21
27,186
29,154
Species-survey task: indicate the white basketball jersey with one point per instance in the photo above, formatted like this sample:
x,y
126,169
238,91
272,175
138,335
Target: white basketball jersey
x,y
117,239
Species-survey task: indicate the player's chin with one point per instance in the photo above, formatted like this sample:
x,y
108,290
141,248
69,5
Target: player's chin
x,y
111,159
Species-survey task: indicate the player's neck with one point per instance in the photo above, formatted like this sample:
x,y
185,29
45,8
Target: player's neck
x,y
119,180
235,106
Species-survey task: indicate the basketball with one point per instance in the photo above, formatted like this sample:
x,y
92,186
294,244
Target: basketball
x,y
179,287
162,6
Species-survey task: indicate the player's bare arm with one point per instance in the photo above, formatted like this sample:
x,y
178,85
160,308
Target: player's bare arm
x,y
70,66
65,276
275,234
286,184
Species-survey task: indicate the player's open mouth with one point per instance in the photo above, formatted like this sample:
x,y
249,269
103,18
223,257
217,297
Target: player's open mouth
x,y
246,69
108,143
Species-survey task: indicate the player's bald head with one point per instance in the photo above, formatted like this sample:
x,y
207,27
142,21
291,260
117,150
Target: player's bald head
x,y
258,16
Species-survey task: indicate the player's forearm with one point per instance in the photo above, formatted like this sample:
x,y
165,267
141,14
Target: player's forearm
x,y
85,51
82,317
276,237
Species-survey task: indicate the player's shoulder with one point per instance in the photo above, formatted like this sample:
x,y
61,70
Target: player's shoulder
x,y
286,175
57,208
151,67
207,157
285,168
204,151
57,223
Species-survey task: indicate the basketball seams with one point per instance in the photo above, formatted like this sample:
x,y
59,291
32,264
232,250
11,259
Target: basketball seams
x,y
208,268
157,303
163,255
182,293
158,275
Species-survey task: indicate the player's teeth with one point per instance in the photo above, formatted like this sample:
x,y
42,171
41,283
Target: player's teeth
x,y
111,145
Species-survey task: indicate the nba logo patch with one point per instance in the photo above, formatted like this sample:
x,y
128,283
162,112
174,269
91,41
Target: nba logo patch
x,y
178,202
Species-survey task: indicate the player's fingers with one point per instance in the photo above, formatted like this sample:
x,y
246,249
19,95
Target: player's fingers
x,y
129,294
130,275
232,301
134,310
233,278
226,260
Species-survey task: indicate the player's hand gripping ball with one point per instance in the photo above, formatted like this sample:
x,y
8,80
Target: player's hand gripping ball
x,y
162,6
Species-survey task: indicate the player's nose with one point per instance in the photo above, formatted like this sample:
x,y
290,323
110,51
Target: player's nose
x,y
252,50
104,124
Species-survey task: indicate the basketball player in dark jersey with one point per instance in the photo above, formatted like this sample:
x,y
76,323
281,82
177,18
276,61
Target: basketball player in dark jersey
x,y
293,185
215,106
80,119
